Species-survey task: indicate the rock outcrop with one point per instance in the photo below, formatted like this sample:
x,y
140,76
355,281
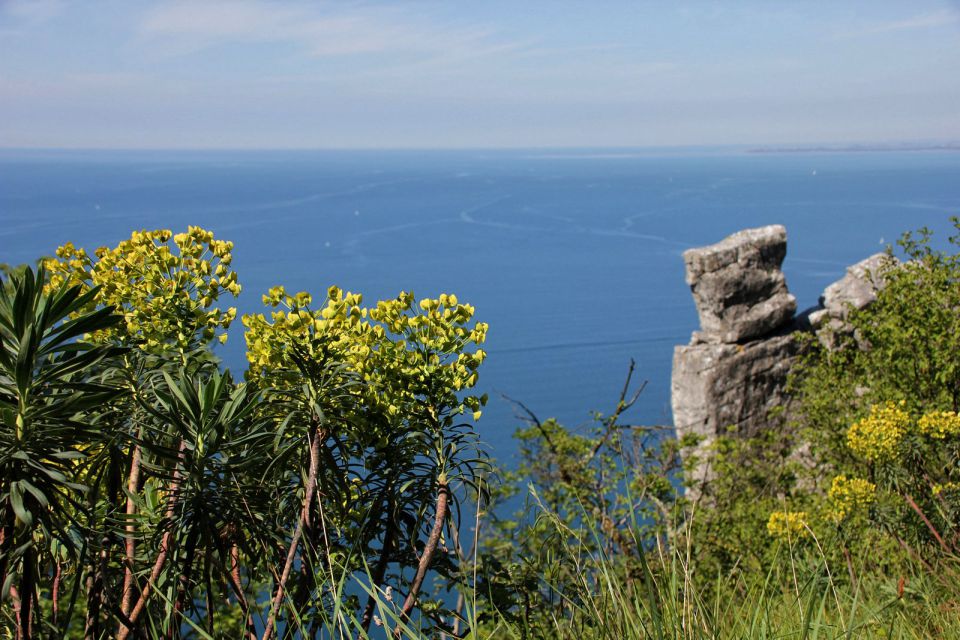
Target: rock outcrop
x,y
854,291
734,371
720,387
738,287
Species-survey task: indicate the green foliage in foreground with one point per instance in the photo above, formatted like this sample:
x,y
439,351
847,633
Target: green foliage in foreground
x,y
146,493
798,595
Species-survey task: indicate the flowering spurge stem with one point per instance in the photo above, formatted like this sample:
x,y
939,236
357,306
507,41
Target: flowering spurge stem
x,y
133,485
55,592
311,487
6,543
27,588
237,584
443,497
125,629
933,530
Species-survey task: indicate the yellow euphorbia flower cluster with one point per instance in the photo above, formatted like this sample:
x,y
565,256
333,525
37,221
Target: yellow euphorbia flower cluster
x,y
403,352
788,524
940,425
166,293
877,437
950,488
850,496
335,327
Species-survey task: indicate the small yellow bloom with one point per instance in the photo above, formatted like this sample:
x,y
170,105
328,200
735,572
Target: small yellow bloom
x,y
940,425
850,495
947,487
788,524
877,437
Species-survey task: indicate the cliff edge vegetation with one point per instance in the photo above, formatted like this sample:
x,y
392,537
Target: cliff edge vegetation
x,y
337,488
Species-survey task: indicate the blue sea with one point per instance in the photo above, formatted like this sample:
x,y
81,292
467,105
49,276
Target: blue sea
x,y
572,257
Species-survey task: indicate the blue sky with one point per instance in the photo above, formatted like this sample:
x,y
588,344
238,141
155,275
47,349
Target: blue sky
x,y
268,74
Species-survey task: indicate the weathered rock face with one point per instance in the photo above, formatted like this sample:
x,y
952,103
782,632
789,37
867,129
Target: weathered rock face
x,y
718,386
738,287
734,371
855,290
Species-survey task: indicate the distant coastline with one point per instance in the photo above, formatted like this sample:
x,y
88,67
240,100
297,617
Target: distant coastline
x,y
860,148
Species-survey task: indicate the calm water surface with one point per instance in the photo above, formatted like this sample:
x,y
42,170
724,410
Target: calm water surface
x,y
572,258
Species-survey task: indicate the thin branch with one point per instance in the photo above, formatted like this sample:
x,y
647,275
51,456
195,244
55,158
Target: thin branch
x,y
130,545
298,531
532,419
126,626
379,571
622,405
443,496
926,521
55,592
233,579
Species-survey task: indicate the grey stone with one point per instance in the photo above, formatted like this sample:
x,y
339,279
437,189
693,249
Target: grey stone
x,y
733,374
738,287
724,388
856,290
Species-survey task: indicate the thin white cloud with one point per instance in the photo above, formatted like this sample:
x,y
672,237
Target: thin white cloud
x,y
314,29
929,20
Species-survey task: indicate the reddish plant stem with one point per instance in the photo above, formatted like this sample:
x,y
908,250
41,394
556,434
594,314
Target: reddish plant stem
x,y
130,545
462,558
926,521
302,594
154,574
849,561
91,628
15,598
165,542
443,496
233,577
6,540
55,592
183,588
913,554
311,488
208,570
27,588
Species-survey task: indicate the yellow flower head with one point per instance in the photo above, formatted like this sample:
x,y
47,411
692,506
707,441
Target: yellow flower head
x,y
406,353
877,437
949,488
789,525
940,425
164,291
850,496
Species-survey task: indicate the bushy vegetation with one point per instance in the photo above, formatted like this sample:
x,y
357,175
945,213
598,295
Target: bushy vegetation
x,y
145,492
851,494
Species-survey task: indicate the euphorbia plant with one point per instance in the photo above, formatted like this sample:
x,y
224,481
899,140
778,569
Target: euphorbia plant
x,y
372,399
